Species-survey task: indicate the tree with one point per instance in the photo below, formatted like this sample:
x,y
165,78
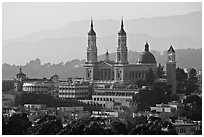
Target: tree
x,y
141,83
150,77
17,125
193,107
181,78
192,82
192,73
160,71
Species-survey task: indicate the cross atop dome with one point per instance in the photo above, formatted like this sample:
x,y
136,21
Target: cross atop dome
x,y
146,46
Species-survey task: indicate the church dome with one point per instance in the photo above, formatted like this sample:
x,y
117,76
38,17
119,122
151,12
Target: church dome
x,y
147,57
21,74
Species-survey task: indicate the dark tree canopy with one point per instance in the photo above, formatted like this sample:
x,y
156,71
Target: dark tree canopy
x,y
192,73
181,76
160,71
193,107
150,77
192,82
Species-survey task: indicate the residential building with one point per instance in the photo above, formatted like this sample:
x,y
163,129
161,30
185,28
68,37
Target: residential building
x,y
185,128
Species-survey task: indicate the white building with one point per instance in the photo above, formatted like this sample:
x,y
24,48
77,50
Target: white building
x,y
106,97
35,106
37,87
105,114
75,89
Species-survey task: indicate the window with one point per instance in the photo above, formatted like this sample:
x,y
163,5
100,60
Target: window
x,y
193,129
182,130
118,56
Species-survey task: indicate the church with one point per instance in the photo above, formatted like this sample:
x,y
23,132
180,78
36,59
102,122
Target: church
x,y
120,70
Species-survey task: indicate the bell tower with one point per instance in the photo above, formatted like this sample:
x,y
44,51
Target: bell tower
x,y
91,60
121,53
171,69
91,49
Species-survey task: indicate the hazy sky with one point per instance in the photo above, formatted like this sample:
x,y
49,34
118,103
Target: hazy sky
x,y
22,18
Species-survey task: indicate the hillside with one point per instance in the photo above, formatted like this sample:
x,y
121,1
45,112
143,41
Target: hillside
x,y
186,58
70,41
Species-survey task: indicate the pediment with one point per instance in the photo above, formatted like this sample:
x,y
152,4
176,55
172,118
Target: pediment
x,y
105,64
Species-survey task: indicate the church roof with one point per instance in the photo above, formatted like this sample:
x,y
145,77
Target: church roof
x,y
146,57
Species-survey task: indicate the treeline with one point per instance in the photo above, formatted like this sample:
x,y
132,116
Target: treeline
x,y
19,124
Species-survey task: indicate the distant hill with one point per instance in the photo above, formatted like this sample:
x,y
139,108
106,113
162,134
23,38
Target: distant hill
x,y
186,58
70,41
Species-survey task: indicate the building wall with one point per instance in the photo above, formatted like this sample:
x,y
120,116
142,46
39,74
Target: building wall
x,y
73,91
171,76
186,129
36,87
106,100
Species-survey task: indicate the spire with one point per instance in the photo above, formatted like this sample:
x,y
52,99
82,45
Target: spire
x,y
122,31
146,46
171,49
107,56
20,70
91,23
107,51
122,23
91,32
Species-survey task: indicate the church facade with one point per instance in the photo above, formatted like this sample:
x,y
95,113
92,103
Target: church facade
x,y
120,70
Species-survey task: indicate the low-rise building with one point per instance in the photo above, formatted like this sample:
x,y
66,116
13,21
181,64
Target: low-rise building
x,y
105,114
185,128
167,110
67,113
106,97
36,87
34,106
75,89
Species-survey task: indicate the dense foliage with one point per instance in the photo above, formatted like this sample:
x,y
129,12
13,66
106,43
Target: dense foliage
x,y
19,124
16,125
160,93
193,107
192,82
